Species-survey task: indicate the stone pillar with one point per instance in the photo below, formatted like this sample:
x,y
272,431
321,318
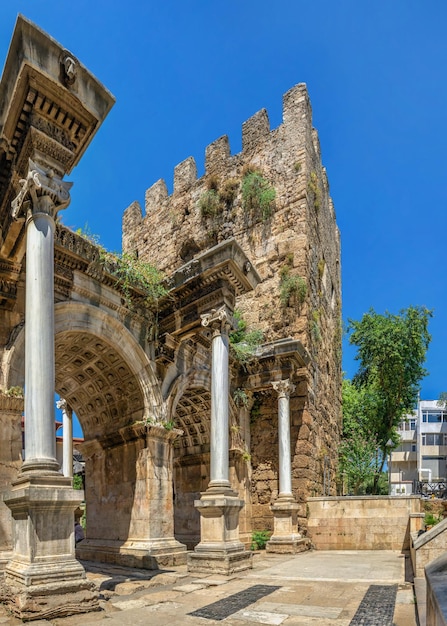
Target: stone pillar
x,y
43,578
67,433
143,534
11,410
285,538
220,549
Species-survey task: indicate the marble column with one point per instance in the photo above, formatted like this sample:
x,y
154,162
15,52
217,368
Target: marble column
x,y
67,434
285,538
220,549
43,571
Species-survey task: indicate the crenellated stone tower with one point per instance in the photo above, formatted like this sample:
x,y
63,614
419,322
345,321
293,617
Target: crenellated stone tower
x,y
273,199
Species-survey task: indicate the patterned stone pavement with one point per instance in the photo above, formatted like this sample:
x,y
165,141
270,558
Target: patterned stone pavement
x,y
316,588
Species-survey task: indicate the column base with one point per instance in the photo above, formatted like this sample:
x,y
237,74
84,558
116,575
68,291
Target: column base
x,y
145,554
50,600
288,545
286,539
225,564
220,550
43,579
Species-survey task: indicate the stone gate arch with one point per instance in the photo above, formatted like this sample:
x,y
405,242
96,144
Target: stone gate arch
x,y
107,378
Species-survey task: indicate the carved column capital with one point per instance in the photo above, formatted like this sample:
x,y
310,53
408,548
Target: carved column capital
x,y
63,405
283,388
218,320
42,191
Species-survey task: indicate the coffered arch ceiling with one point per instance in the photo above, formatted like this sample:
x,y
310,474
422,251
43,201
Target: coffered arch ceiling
x,y
97,383
192,416
102,371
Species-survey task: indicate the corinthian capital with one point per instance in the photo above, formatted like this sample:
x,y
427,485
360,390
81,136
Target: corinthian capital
x,y
63,405
218,320
283,388
47,192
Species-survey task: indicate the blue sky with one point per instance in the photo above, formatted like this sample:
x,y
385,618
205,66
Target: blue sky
x,y
185,73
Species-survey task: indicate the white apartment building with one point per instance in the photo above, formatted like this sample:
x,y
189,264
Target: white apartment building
x,y
422,453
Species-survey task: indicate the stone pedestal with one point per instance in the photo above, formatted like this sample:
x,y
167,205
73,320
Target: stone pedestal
x,y
44,580
286,538
220,550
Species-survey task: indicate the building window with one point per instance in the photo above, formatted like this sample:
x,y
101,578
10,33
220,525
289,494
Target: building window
x,y
409,424
432,439
434,417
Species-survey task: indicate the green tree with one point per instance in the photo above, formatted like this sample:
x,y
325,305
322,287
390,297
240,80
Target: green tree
x,y
391,350
358,452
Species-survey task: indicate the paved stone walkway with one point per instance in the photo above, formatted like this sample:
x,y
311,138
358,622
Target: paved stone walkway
x,y
324,588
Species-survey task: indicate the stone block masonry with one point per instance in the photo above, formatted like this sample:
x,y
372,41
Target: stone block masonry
x,y
273,199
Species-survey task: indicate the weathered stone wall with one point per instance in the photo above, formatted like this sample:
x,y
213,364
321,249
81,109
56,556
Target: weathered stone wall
x,y
300,238
361,523
436,578
428,547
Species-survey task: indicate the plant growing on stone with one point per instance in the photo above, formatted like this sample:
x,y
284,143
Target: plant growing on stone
x,y
244,343
431,520
132,274
291,285
229,190
87,234
13,392
321,266
315,326
255,410
314,189
258,196
240,398
209,203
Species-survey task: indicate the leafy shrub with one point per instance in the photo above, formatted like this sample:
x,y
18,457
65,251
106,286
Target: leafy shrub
x,y
209,203
291,285
258,196
431,520
132,273
259,539
240,398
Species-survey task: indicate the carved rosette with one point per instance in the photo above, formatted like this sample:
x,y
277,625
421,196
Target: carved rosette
x,y
218,321
44,189
283,388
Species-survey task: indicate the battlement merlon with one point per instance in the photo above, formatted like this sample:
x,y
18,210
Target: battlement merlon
x,y
46,84
297,112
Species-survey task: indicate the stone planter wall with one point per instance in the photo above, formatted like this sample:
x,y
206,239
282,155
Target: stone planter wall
x,y
361,523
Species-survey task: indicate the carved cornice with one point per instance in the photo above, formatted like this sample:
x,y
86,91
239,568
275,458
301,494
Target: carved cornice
x,y
283,359
11,404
